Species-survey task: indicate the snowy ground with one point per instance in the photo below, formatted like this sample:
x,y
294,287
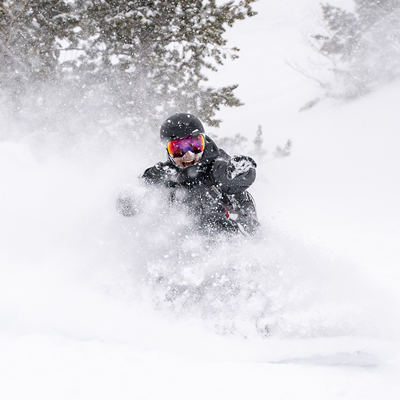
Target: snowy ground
x,y
78,321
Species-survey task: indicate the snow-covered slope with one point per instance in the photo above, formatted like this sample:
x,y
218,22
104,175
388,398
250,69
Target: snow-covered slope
x,y
78,318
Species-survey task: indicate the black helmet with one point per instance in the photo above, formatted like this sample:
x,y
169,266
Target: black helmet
x,y
179,126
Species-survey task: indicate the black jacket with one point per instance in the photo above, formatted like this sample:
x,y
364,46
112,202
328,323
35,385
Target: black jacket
x,y
214,190
215,193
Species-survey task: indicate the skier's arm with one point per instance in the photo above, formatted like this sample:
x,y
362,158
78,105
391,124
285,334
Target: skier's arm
x,y
153,175
235,175
159,175
131,202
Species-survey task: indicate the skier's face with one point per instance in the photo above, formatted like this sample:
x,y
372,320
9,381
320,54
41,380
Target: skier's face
x,y
186,151
188,159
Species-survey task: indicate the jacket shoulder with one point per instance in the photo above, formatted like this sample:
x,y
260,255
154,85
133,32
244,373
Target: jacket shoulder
x,y
224,155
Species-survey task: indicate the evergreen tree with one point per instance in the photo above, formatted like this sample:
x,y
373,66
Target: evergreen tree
x,y
258,141
138,59
363,46
31,33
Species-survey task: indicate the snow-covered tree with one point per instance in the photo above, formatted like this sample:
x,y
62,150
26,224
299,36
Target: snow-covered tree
x,y
31,35
363,47
139,59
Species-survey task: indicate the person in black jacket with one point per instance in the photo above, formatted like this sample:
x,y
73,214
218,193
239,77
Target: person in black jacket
x,y
211,184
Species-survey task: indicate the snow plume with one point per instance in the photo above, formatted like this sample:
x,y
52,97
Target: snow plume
x,y
268,286
66,248
72,264
70,116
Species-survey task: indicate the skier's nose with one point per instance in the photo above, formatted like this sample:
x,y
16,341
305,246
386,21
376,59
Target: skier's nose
x,y
188,156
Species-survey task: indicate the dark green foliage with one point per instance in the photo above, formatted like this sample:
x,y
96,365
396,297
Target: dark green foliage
x,y
343,30
363,47
139,59
30,40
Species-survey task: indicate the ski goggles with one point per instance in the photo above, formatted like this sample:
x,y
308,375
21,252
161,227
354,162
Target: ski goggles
x,y
178,147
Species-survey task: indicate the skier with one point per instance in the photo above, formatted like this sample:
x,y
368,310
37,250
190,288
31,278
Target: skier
x,y
203,177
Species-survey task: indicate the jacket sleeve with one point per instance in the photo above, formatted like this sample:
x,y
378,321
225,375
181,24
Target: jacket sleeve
x,y
153,175
231,180
161,174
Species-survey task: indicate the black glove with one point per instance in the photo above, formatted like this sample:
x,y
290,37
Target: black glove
x,y
240,165
236,175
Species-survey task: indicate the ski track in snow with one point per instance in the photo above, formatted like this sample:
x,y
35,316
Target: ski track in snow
x,y
94,305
